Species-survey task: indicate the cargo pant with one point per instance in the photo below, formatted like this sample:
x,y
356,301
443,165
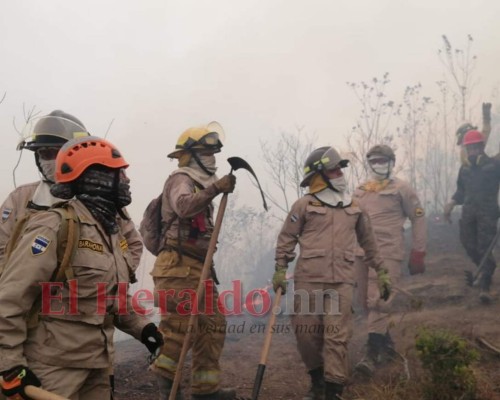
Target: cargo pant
x,y
322,323
478,228
73,383
176,279
368,294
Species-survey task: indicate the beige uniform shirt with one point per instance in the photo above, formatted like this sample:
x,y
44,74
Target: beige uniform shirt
x,y
388,210
182,201
76,333
16,205
327,238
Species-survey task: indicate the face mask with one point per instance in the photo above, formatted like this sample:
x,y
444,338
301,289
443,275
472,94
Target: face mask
x,y
381,171
208,161
124,196
48,168
339,184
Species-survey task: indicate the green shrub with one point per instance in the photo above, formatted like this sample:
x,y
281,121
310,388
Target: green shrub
x,y
446,359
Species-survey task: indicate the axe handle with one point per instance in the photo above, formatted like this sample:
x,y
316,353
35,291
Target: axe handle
x,y
37,393
265,348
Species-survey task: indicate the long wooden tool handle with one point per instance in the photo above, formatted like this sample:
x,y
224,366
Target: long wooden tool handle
x,y
37,393
265,348
199,294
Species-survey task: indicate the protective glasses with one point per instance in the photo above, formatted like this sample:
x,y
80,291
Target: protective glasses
x,y
47,153
209,141
378,160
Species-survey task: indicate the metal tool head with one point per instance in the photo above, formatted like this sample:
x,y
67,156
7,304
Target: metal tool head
x,y
239,163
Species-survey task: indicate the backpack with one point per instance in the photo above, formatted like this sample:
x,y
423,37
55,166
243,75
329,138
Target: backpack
x,y
151,227
67,244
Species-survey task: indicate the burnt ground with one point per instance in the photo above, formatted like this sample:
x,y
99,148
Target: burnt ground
x,y
440,299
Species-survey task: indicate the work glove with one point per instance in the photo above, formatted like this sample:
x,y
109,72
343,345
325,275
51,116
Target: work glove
x,y
16,380
384,283
279,279
487,111
448,208
226,184
416,263
151,337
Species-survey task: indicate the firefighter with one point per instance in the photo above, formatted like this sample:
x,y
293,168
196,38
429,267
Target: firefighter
x,y
477,192
69,348
326,224
467,126
187,217
389,202
45,136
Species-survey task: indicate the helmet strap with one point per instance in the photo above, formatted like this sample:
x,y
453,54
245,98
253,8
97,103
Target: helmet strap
x,y
200,164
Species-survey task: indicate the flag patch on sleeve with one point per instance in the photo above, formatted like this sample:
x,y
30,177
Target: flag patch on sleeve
x,y
39,245
6,214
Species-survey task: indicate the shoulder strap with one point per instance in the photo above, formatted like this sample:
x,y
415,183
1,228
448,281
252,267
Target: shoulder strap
x,y
68,237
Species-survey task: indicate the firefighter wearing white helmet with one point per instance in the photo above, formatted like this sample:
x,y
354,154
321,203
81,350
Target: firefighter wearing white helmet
x,y
389,202
326,224
187,216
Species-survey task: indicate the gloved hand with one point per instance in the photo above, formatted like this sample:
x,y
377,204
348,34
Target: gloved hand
x,y
16,379
226,184
279,279
416,263
448,208
384,283
151,337
487,111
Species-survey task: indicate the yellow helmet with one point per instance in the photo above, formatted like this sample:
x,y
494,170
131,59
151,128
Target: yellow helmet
x,y
208,137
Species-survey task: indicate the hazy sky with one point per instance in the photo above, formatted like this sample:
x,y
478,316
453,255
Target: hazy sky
x,y
257,67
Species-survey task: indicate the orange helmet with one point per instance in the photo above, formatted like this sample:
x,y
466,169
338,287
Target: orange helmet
x,y
79,154
473,137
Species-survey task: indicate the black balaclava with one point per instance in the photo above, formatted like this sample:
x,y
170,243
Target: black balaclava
x,y
104,191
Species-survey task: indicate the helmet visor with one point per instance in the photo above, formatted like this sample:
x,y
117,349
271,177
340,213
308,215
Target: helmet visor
x,y
49,131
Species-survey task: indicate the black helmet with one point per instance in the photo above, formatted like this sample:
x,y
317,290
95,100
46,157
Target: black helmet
x,y
381,150
320,159
52,130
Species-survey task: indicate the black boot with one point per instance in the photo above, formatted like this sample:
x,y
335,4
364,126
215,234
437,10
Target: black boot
x,y
388,352
367,364
221,394
333,390
485,283
317,389
165,386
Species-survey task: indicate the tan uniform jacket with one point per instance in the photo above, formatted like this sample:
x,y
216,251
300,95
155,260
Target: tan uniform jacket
x,y
182,201
83,340
327,238
388,210
16,205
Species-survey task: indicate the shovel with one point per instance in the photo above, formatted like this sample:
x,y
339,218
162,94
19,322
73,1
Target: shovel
x,y
36,393
265,349
470,277
236,163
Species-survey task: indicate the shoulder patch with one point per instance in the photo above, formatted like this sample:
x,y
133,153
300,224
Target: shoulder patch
x,y
39,245
124,245
419,212
6,214
88,244
294,218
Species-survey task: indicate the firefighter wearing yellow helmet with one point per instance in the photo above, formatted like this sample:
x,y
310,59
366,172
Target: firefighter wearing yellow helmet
x,y
187,216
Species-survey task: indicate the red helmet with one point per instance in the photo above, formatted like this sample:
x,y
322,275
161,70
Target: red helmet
x,y
79,154
472,137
